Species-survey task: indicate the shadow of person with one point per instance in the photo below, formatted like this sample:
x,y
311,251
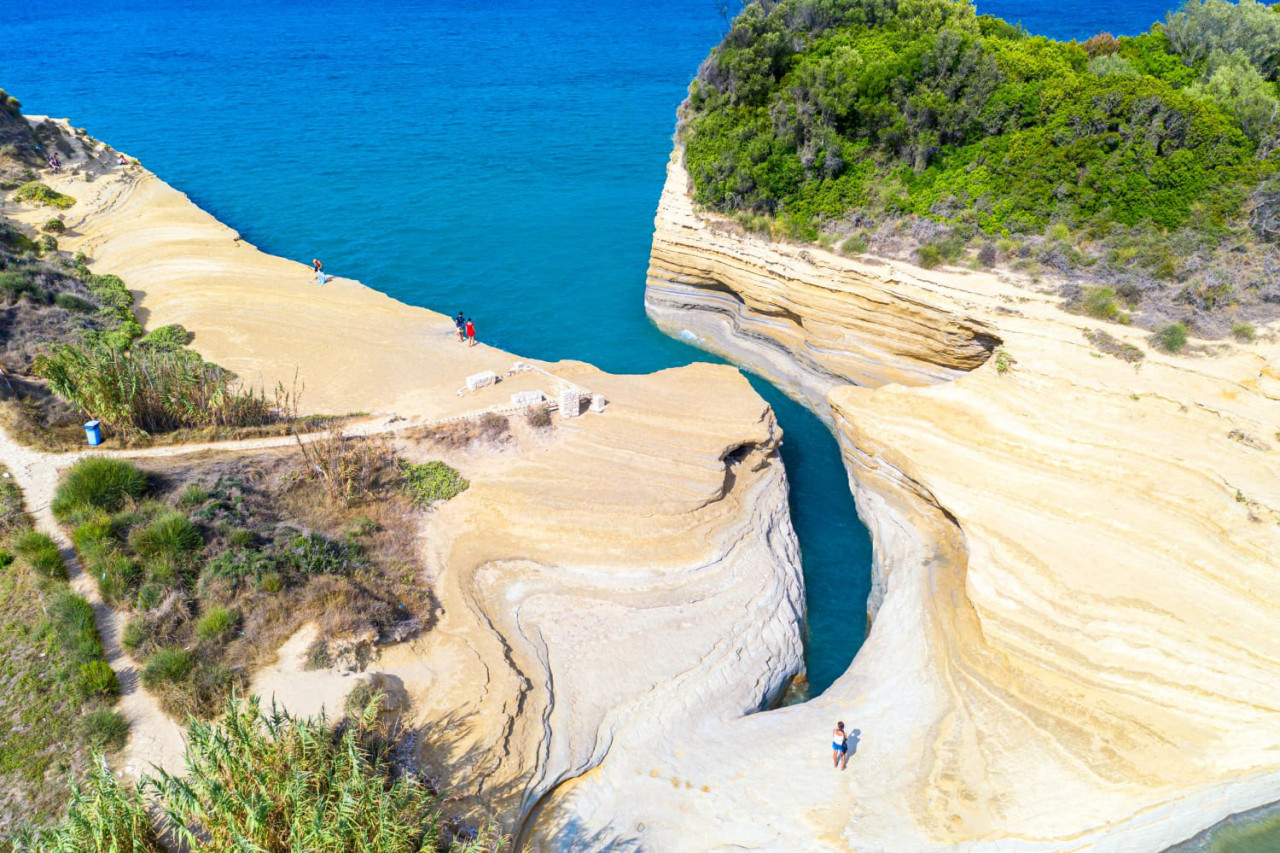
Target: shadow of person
x,y
853,741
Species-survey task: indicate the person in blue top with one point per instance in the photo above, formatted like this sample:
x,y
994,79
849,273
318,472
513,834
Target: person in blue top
x,y
461,323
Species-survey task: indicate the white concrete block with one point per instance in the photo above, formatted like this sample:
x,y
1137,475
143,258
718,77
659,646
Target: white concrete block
x,y
570,404
480,380
598,402
528,398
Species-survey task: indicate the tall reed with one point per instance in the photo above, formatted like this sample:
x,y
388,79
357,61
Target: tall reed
x,y
138,391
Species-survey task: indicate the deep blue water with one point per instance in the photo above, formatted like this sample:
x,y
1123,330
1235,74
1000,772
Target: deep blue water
x,y
499,157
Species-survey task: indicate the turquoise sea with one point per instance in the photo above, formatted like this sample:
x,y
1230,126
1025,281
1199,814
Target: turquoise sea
x,y
498,157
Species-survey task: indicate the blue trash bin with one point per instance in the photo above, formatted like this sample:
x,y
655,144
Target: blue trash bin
x,y
93,432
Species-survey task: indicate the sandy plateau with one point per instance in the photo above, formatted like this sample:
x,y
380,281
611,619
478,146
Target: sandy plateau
x,y
624,576
1076,580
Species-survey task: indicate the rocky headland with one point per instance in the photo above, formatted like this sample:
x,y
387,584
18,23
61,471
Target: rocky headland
x,y
1075,562
600,585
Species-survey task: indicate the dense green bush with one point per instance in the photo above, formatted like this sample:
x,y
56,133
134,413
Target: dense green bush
x,y
431,482
170,337
1205,28
9,104
40,553
216,622
270,782
810,108
1171,337
170,536
55,226
16,285
148,390
73,622
71,302
98,483
1243,332
105,729
97,678
167,667
35,192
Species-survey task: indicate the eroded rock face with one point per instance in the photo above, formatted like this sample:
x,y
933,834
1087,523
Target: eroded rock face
x,y
606,585
1076,578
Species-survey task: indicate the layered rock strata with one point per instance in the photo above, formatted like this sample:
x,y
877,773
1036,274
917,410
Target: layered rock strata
x,y
603,583
1076,572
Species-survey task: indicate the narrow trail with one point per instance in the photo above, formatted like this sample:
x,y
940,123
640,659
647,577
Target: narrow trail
x,y
155,739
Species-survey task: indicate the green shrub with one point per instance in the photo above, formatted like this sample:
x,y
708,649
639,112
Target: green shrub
x,y
193,496
93,536
117,575
98,482
1112,64
9,104
240,538
55,226
313,554
40,553
854,245
272,582
47,243
17,285
136,632
73,303
35,192
216,622
167,666
169,337
97,678
1171,337
928,256
1100,303
149,596
104,729
431,482
74,624
1202,28
149,390
6,559
1243,332
171,535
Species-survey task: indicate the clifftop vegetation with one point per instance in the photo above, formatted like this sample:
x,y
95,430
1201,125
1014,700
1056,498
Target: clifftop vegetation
x,y
1149,163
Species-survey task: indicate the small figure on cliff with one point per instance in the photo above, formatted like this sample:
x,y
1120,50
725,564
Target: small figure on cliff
x,y
461,323
839,747
471,333
320,278
122,161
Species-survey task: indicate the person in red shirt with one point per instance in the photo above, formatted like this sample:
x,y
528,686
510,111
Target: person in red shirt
x,y
471,333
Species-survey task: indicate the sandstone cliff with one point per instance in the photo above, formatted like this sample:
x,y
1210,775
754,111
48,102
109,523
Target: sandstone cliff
x,y
618,576
1076,572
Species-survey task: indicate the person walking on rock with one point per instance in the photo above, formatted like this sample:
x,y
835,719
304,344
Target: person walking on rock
x,y
320,277
471,333
461,323
839,747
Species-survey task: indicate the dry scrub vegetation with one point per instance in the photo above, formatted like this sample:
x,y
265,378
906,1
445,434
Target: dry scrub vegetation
x,y
218,561
55,705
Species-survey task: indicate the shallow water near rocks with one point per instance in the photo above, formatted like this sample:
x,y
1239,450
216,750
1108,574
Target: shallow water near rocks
x,y
499,157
